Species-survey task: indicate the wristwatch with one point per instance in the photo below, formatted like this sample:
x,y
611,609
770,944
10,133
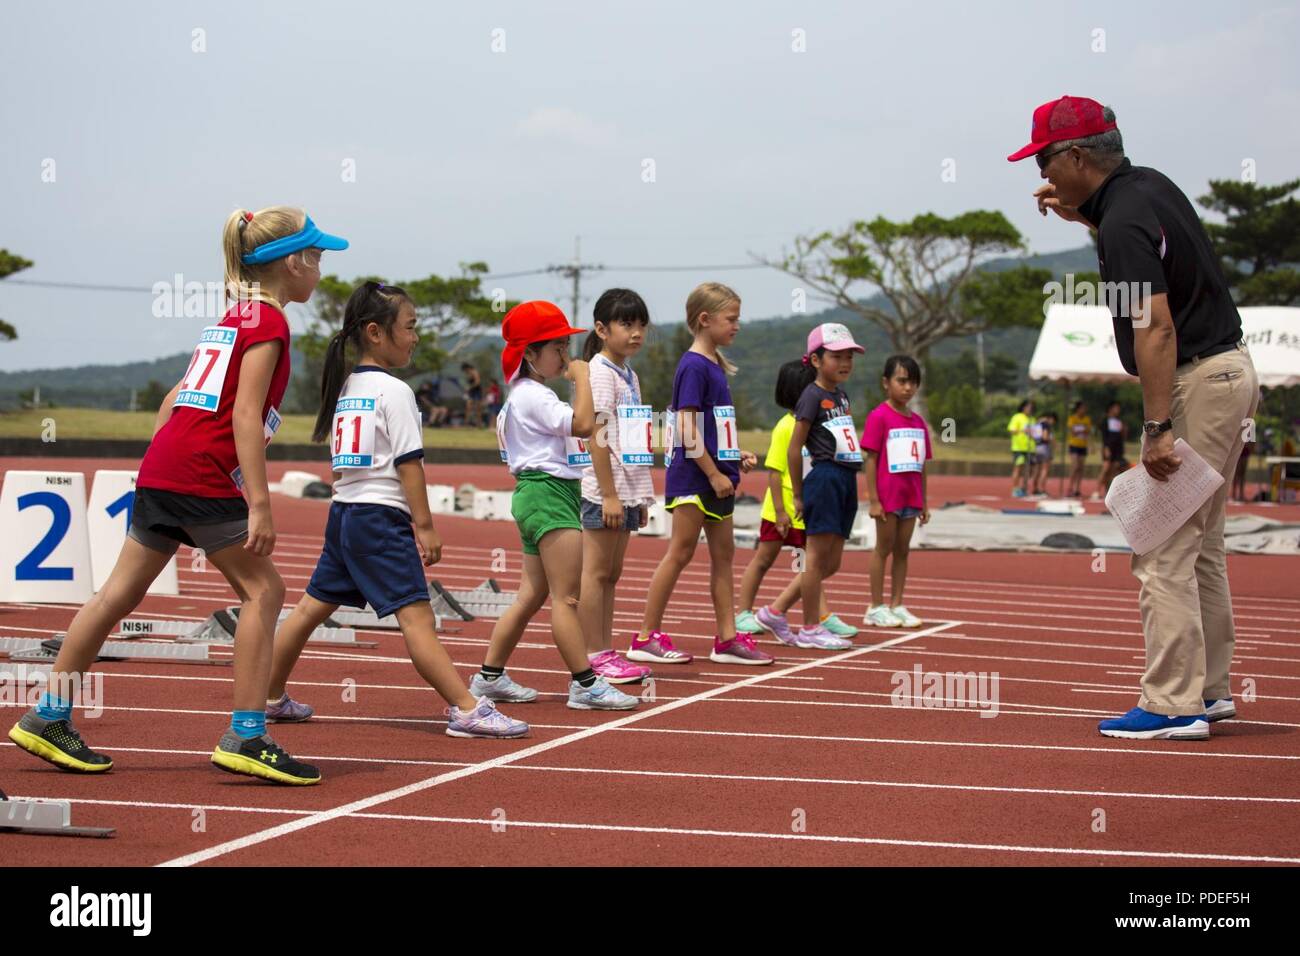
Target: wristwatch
x,y
1155,428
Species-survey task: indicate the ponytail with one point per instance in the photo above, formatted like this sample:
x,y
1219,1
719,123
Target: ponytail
x,y
369,302
244,232
711,297
614,305
592,346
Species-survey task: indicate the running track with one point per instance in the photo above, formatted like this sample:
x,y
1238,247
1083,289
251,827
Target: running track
x,y
806,762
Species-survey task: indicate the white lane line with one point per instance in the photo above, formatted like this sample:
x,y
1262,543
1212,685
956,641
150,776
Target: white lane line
x,y
358,805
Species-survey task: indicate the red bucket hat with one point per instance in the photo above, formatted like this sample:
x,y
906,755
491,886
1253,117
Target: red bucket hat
x,y
1070,117
526,323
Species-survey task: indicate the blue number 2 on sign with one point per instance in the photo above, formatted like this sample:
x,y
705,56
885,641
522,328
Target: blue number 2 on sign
x,y
29,568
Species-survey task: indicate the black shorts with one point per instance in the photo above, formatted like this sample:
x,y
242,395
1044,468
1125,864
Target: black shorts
x,y
714,508
164,520
1081,452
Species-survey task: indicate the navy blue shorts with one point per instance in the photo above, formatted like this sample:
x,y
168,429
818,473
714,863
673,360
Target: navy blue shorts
x,y
830,500
370,557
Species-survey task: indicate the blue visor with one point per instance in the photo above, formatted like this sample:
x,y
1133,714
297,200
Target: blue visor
x,y
308,237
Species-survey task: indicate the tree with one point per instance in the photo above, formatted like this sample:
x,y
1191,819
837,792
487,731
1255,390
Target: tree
x,y
928,270
1259,241
452,314
150,398
9,264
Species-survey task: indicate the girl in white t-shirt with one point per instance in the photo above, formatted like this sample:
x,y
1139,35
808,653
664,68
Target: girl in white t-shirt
x,y
616,488
371,556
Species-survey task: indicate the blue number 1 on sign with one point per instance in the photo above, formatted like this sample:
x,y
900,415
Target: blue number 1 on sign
x,y
125,503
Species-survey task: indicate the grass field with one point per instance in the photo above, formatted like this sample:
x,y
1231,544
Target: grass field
x,y
296,429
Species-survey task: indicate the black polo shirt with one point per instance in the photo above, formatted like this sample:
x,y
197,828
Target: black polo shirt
x,y
1148,232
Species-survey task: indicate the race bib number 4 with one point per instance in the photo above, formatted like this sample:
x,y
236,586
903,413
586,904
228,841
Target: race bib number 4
x,y
203,381
354,434
846,447
905,450
576,451
724,416
636,434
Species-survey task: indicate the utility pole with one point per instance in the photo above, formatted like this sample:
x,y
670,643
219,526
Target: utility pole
x,y
574,272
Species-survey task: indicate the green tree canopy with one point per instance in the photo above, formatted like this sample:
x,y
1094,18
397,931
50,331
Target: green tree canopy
x,y
9,264
1259,240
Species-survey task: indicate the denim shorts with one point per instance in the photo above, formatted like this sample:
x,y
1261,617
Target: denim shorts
x,y
593,516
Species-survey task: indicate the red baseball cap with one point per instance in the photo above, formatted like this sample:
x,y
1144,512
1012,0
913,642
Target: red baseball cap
x,y
530,322
1070,117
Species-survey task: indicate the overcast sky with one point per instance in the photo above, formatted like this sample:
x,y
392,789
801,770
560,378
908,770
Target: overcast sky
x,y
462,153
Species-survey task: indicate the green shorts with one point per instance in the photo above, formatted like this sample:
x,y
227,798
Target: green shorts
x,y
543,503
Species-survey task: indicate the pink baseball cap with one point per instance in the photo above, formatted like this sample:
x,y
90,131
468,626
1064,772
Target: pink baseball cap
x,y
832,337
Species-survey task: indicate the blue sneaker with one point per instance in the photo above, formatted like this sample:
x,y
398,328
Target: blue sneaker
x,y
501,689
601,695
1139,724
1220,709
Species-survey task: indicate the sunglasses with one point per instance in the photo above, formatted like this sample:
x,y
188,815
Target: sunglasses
x,y
1045,158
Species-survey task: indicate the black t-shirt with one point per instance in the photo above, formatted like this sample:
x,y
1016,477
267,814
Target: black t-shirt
x,y
836,443
1148,232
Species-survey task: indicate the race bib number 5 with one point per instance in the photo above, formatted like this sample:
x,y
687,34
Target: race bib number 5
x,y
354,433
846,448
905,449
724,416
203,381
636,434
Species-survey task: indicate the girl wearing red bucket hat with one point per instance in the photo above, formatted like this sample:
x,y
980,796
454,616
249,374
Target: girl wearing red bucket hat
x,y
542,442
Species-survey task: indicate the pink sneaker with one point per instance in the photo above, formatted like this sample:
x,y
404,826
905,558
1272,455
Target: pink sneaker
x,y
740,650
657,648
286,710
617,669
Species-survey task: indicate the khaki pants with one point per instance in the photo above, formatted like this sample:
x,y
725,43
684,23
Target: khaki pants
x,y
1186,607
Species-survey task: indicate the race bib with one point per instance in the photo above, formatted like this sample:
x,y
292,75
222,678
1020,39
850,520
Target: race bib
x,y
354,434
724,417
576,451
501,433
269,428
670,436
203,381
846,447
636,434
905,450
807,460
1114,425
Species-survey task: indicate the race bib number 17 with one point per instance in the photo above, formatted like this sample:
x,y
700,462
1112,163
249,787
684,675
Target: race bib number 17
x,y
354,434
203,381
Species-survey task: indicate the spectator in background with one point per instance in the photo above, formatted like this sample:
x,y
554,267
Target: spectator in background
x,y
1022,447
1239,477
1079,428
1113,461
473,396
1042,433
493,402
426,396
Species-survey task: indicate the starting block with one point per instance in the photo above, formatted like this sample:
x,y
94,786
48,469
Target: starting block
x,y
492,506
219,628
52,817
36,650
442,499
45,547
295,484
658,522
147,627
112,499
1060,506
487,600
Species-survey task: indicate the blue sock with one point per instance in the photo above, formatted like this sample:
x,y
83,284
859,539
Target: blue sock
x,y
248,724
53,708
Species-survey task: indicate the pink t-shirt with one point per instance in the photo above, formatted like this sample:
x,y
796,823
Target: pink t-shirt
x,y
903,444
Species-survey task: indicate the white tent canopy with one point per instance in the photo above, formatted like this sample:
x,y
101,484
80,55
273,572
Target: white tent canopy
x,y
1077,343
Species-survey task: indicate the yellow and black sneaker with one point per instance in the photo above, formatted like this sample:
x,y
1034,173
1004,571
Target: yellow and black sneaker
x,y
57,742
262,757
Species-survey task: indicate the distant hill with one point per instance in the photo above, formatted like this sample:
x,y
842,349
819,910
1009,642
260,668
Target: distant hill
x,y
760,349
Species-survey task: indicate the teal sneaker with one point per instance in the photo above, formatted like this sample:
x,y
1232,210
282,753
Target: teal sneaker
x,y
746,623
838,628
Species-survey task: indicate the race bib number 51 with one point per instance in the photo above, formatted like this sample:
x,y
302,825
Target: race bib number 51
x,y
203,381
354,433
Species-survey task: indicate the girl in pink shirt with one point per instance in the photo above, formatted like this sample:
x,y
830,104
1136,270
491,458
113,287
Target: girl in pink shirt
x,y
897,443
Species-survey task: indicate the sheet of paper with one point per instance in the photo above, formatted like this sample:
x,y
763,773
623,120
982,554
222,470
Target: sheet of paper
x,y
1149,511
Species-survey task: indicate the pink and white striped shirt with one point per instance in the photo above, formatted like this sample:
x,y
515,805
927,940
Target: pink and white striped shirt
x,y
611,387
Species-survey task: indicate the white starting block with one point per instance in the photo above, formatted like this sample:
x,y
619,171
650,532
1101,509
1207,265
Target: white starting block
x,y
659,522
294,483
442,499
745,537
219,628
53,817
112,499
492,506
487,600
146,627
45,544
40,650
1058,506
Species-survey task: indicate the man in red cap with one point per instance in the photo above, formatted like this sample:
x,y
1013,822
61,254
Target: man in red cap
x,y
1178,331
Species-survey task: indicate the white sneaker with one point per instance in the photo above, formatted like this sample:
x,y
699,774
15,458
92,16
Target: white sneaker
x,y
881,616
905,617
601,695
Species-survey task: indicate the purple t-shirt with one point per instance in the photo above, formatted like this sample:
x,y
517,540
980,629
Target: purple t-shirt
x,y
903,445
701,383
